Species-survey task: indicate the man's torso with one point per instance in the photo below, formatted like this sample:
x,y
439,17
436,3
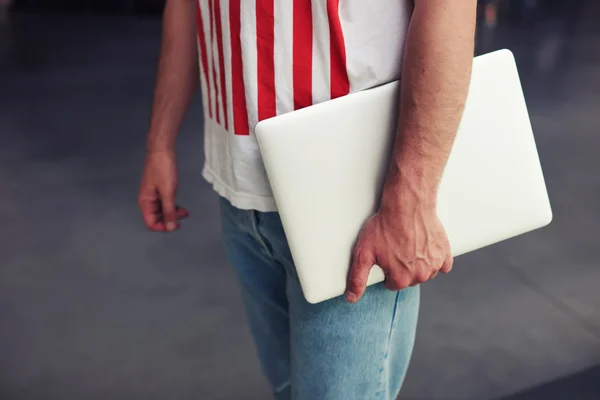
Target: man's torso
x,y
261,58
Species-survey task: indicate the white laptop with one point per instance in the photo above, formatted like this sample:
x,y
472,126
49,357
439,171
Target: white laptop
x,y
327,163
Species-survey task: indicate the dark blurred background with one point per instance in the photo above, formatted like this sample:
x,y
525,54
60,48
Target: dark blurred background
x,y
93,307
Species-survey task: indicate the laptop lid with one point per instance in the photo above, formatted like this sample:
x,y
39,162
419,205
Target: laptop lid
x,y
327,164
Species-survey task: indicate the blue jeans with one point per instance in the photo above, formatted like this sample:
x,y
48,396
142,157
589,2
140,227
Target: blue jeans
x,y
327,351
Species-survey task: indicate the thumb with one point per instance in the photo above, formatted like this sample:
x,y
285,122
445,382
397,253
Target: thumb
x,y
362,262
168,211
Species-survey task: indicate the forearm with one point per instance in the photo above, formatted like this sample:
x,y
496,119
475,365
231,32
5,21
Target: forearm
x,y
434,85
177,76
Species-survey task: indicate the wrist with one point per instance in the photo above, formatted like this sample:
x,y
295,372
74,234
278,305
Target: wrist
x,y
159,145
407,189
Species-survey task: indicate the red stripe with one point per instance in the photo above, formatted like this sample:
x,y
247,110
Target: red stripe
x,y
219,29
214,69
240,113
340,85
302,53
265,46
203,55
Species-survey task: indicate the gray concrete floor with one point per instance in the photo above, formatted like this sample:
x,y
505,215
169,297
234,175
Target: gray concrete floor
x,y
94,307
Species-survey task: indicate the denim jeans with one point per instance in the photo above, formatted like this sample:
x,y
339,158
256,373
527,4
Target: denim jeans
x,y
327,351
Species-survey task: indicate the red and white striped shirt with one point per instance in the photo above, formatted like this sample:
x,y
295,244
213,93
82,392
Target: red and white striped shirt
x,y
261,58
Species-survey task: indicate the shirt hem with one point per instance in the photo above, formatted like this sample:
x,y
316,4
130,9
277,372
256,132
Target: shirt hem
x,y
240,200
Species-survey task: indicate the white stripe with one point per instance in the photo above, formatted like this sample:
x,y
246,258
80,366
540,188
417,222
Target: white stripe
x,y
321,53
377,58
227,61
284,33
248,40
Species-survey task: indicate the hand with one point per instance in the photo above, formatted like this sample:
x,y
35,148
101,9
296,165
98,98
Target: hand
x,y
157,193
410,246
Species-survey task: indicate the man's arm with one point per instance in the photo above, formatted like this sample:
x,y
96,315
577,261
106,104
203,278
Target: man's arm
x,y
405,238
177,76
176,82
435,81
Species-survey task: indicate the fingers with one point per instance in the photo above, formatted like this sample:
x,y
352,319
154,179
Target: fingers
x,y
157,192
362,262
148,203
152,216
181,212
399,281
396,279
447,266
153,213
168,212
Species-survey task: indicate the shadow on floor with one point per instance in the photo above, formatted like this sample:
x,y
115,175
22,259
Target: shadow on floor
x,y
581,386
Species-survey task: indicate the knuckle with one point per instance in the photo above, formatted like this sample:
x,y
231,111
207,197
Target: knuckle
x,y
360,256
400,282
359,248
356,253
391,281
447,267
422,276
355,282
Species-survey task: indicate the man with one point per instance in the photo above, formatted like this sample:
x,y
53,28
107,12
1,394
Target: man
x,y
260,58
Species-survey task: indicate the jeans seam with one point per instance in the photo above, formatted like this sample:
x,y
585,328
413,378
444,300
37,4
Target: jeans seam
x,y
394,311
281,387
385,377
258,236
